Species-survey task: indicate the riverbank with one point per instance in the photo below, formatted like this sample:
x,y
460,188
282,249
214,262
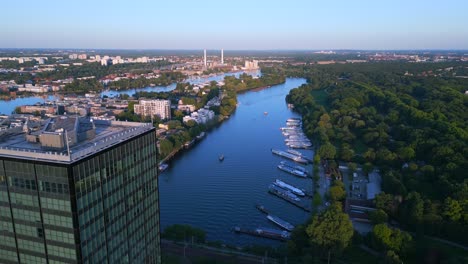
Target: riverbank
x,y
227,108
228,191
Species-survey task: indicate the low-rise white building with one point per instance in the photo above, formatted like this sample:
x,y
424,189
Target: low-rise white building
x,y
201,116
186,108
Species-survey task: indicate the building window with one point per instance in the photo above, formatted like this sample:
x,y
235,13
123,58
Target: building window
x,y
40,232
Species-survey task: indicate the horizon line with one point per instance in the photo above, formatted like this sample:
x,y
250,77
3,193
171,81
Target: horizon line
x,y
201,49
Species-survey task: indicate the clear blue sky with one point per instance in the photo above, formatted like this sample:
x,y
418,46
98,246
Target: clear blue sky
x,y
241,24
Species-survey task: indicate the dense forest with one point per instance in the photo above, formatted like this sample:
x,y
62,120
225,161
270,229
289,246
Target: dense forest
x,y
165,78
83,86
270,76
411,125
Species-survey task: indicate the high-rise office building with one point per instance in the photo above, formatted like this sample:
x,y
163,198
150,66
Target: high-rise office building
x,y
74,190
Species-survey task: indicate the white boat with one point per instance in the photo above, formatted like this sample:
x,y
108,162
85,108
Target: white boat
x,y
162,167
293,170
288,187
289,156
285,194
294,152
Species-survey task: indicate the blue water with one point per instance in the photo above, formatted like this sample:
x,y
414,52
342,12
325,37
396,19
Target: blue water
x,y
199,190
130,92
6,107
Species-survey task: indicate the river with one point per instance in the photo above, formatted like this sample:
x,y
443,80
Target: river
x,y
199,190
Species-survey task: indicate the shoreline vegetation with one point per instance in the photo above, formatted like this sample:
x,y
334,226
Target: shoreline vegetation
x,y
410,126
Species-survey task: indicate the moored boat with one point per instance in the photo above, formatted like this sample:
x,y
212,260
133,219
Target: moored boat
x,y
202,135
162,167
292,170
280,222
265,232
289,187
285,194
289,156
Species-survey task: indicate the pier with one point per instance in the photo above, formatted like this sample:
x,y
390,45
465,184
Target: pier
x,y
282,195
264,232
262,209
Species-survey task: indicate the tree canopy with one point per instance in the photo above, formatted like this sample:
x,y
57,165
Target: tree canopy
x,y
332,229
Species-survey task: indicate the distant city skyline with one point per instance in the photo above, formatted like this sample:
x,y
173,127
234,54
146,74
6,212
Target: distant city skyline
x,y
240,25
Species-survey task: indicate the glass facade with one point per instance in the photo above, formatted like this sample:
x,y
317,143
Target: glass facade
x,y
102,209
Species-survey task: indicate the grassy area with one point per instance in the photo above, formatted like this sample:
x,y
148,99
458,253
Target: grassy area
x,y
431,249
170,259
355,254
206,260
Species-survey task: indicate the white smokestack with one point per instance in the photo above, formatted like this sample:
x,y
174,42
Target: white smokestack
x,y
204,61
222,56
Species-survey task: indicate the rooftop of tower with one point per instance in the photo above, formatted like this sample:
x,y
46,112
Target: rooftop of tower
x,y
63,139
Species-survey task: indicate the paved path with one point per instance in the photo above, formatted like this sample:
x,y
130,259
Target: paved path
x,y
454,244
228,256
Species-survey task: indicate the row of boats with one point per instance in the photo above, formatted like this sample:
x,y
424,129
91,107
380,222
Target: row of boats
x,y
286,191
294,136
278,234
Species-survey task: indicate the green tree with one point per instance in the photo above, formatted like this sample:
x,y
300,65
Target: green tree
x,y
191,123
387,238
392,258
131,106
178,114
331,230
352,167
412,209
347,153
317,199
378,216
337,193
452,209
327,151
406,153
165,147
367,168
178,232
17,110
316,159
174,124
